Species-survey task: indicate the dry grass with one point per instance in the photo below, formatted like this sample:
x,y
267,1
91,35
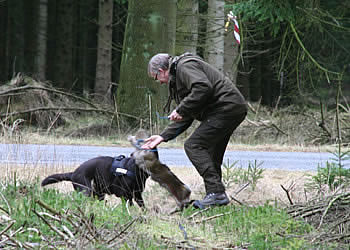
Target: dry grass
x,y
157,199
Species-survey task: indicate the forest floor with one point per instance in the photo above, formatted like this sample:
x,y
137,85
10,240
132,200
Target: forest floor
x,y
292,128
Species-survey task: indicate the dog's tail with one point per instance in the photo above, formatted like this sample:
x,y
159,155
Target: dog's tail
x,y
57,178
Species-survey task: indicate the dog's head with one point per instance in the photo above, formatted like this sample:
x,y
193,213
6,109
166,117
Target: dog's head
x,y
143,158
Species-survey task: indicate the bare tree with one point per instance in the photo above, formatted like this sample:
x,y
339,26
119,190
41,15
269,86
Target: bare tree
x,y
40,59
63,59
215,33
104,50
187,26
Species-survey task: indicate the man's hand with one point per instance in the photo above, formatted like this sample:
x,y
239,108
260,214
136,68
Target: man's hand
x,y
174,116
152,142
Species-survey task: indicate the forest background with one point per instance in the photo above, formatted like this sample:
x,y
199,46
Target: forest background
x,y
293,55
79,68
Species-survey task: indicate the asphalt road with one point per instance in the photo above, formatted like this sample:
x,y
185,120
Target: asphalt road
x,y
63,154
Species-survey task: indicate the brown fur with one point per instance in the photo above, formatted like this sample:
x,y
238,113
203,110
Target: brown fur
x,y
149,162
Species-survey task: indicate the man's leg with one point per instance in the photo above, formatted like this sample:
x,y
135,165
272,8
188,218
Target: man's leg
x,y
218,150
206,147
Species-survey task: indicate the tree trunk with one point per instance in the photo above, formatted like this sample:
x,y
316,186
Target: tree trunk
x,y
3,41
255,90
40,62
215,33
187,26
63,60
231,56
149,30
87,43
104,51
15,37
119,17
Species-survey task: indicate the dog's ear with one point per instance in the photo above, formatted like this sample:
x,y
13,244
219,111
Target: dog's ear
x,y
141,134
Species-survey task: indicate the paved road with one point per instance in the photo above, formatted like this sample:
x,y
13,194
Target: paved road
x,y
62,154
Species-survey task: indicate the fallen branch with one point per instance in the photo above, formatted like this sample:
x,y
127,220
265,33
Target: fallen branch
x,y
241,188
197,213
7,227
327,208
123,230
267,124
47,207
53,228
68,109
239,202
28,87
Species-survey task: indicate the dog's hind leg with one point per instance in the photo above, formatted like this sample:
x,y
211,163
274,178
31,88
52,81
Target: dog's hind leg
x,y
83,185
139,200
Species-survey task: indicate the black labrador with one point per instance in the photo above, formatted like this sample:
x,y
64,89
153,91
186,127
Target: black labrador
x,y
106,175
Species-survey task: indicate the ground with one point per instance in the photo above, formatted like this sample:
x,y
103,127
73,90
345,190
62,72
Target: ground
x,y
268,189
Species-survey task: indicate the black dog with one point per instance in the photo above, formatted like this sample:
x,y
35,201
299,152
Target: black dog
x,y
106,175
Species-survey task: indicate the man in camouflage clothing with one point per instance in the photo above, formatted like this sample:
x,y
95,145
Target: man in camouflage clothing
x,y
203,93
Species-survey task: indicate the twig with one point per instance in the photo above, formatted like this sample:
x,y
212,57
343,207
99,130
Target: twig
x,y
50,216
239,202
16,242
241,188
197,213
66,229
53,122
266,124
124,229
251,108
47,207
91,230
53,228
7,204
328,207
322,124
287,192
7,227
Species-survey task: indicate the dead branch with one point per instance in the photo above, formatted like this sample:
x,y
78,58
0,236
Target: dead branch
x,y
28,87
213,217
7,227
197,213
47,207
267,124
53,228
327,208
332,211
241,188
239,202
68,109
287,192
123,230
322,124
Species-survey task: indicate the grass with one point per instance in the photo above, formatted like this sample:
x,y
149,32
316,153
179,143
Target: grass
x,y
260,223
101,225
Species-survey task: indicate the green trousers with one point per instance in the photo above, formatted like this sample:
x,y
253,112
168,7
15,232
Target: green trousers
x,y
206,147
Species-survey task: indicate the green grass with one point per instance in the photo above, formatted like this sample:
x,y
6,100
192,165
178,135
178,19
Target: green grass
x,y
104,227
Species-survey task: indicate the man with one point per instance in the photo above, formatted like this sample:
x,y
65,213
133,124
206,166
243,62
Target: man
x,y
203,93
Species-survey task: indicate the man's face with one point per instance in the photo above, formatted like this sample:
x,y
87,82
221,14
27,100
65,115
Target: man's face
x,y
162,76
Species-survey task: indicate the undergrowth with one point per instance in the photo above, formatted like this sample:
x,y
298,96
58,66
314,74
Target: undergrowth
x,y
32,217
